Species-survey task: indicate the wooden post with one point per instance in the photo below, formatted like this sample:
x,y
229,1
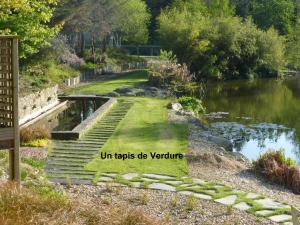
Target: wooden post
x,y
9,107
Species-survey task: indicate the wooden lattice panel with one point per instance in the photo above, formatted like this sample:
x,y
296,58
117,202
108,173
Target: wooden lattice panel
x,y
6,89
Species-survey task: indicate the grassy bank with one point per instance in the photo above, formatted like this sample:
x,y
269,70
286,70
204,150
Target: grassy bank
x,y
145,129
108,85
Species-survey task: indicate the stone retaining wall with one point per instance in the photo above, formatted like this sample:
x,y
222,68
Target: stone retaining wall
x,y
35,104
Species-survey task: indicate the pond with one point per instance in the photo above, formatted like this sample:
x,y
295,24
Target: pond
x,y
71,115
256,115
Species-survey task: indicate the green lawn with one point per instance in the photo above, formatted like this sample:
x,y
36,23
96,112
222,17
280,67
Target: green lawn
x,y
102,87
145,129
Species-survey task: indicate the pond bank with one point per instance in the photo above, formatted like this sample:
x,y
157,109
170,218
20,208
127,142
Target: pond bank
x,y
211,162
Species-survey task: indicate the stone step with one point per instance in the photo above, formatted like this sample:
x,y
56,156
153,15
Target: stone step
x,y
73,176
63,167
71,156
74,148
90,153
66,160
71,172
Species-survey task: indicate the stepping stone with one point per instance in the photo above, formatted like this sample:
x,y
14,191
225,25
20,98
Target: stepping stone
x,y
161,186
197,195
109,174
185,185
280,218
211,192
148,180
106,179
199,181
263,212
242,206
136,184
271,204
175,182
252,196
219,187
288,223
130,176
157,176
229,200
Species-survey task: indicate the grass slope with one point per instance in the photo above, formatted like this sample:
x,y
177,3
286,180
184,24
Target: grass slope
x,y
102,87
145,129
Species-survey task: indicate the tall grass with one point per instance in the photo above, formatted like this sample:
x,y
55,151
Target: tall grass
x,y
43,206
278,168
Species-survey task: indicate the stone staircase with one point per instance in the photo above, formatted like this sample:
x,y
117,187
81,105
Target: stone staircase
x,y
68,158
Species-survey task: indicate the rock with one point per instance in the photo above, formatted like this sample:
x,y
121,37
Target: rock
x,y
229,200
123,90
280,218
176,106
242,206
197,195
157,176
113,94
221,142
271,204
161,186
263,212
129,176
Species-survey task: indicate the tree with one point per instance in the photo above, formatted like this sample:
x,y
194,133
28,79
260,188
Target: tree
x,y
277,13
220,47
293,50
30,21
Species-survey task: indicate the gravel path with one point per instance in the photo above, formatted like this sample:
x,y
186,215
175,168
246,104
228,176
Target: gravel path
x,y
170,208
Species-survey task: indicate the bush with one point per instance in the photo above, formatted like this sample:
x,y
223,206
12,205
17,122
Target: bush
x,y
220,47
192,104
29,134
278,168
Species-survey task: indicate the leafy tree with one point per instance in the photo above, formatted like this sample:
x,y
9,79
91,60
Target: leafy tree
x,y
277,13
30,21
293,50
220,47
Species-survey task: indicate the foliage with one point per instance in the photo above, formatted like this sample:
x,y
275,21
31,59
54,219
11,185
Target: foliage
x,y
220,47
293,48
169,74
37,143
276,13
192,104
131,21
30,21
29,134
278,168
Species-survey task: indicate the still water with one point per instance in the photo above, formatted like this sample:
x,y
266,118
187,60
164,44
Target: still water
x,y
68,117
256,115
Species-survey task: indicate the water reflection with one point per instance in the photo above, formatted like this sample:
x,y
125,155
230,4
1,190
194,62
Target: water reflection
x,y
67,118
261,114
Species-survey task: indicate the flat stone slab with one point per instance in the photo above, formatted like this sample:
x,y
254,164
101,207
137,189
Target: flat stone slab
x,y
288,223
197,195
242,206
229,200
199,181
280,218
263,212
161,186
271,204
109,174
106,179
148,180
136,184
252,196
130,176
175,182
157,176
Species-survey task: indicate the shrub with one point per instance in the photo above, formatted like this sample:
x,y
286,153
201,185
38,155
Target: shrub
x,y
192,104
220,47
173,76
30,134
278,168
